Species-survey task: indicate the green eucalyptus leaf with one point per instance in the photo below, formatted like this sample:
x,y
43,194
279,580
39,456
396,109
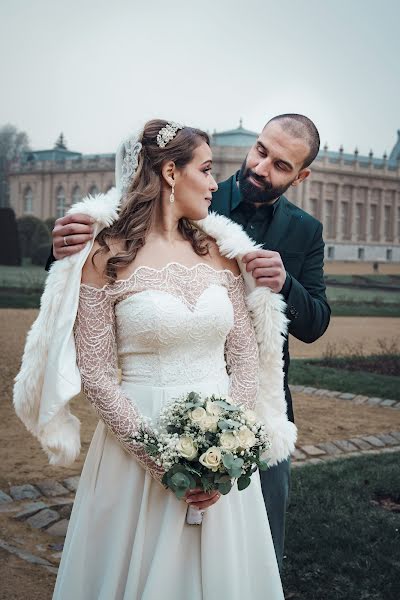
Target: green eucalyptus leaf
x,y
224,487
235,471
263,465
243,482
226,406
228,459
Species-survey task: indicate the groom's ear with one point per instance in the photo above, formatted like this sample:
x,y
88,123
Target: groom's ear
x,y
301,176
168,172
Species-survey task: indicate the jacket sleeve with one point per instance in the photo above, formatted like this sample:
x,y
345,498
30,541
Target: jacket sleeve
x,y
241,349
50,260
95,340
307,307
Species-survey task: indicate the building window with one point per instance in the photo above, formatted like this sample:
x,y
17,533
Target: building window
x,y
329,224
76,194
361,254
331,252
373,221
28,201
60,203
93,190
345,221
387,220
359,221
389,254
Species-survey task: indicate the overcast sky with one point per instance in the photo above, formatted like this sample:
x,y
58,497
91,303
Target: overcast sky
x,y
98,69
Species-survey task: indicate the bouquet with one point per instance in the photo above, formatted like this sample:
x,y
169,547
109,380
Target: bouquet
x,y
207,443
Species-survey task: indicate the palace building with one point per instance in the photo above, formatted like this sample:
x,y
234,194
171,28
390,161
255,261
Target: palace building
x,y
357,198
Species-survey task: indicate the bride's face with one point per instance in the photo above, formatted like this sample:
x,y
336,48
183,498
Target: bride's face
x,y
194,185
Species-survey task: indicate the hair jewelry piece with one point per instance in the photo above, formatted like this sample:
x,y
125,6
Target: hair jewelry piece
x,y
131,150
167,133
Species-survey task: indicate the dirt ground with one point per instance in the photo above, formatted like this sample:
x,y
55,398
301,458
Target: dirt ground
x,y
23,461
347,333
359,268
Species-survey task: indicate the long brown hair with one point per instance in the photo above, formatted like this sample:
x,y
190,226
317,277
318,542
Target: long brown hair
x,y
139,208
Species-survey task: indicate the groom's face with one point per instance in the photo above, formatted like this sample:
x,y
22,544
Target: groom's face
x,y
273,164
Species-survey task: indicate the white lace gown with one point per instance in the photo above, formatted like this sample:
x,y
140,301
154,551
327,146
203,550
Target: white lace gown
x,y
171,331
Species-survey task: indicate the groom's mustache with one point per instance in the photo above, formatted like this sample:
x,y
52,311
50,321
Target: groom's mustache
x,y
266,185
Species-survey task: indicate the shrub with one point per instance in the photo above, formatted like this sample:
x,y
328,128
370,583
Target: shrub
x,y
32,233
50,222
41,254
9,244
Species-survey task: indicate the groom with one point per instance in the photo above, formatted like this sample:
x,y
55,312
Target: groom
x,y
291,260
290,263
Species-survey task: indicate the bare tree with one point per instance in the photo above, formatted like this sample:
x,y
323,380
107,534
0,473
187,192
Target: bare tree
x,y
12,144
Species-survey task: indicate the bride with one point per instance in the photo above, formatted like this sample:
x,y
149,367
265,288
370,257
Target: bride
x,y
161,295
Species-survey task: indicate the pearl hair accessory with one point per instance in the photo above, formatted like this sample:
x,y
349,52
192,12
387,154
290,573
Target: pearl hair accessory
x,y
167,133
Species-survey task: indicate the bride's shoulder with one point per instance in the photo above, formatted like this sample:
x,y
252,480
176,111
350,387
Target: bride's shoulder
x,y
219,261
94,269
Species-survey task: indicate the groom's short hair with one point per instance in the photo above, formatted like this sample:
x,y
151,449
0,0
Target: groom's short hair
x,y
300,126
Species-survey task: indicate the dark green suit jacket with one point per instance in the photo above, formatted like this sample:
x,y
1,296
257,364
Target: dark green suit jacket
x,y
297,236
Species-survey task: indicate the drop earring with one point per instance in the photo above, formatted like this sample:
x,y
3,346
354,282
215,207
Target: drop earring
x,y
172,196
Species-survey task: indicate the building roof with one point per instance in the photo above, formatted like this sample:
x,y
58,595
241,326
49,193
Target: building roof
x,y
363,161
56,154
238,137
395,153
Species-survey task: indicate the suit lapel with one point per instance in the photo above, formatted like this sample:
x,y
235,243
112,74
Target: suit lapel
x,y
279,225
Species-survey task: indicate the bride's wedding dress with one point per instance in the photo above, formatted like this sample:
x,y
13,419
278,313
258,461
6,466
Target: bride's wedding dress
x,y
171,331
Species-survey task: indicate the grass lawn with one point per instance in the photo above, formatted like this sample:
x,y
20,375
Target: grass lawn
x,y
30,277
363,301
306,372
339,544
21,287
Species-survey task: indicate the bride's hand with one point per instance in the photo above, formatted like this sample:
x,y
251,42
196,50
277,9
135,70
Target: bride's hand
x,y
202,500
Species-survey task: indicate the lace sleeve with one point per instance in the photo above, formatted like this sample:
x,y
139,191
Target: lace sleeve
x,y
241,349
95,339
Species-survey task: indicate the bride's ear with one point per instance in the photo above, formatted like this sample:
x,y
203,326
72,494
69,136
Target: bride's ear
x,y
168,172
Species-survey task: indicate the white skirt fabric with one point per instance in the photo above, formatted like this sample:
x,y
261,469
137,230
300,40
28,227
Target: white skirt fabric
x,y
128,538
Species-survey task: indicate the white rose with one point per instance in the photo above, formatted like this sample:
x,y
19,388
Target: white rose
x,y
186,447
228,441
246,438
209,423
213,409
211,458
198,415
250,416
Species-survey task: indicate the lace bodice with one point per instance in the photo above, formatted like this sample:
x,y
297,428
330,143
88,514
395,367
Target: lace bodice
x,y
163,327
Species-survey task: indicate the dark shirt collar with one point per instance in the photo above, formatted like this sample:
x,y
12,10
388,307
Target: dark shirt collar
x,y
237,199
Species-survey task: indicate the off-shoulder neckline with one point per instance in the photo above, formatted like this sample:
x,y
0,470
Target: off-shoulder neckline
x,y
160,270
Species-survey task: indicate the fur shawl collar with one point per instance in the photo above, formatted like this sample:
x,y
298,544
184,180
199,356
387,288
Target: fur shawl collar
x,y
49,377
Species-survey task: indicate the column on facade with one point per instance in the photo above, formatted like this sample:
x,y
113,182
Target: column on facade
x,y
306,195
367,215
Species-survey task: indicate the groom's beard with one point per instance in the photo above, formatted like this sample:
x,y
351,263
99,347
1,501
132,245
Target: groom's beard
x,y
265,194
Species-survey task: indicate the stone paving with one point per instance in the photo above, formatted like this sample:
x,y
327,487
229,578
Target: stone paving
x,y
47,504
354,398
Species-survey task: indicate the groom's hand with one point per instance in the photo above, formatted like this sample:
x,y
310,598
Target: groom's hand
x,y
70,234
267,268
202,500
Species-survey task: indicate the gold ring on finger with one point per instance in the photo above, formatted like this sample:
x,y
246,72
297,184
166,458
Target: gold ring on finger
x,y
65,241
